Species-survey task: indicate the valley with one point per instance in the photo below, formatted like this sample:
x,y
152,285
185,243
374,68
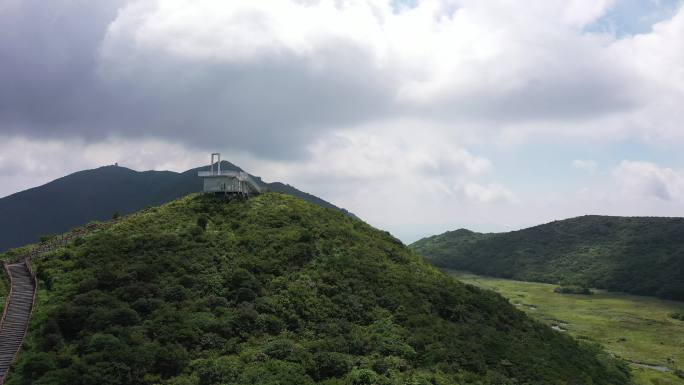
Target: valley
x,y
636,328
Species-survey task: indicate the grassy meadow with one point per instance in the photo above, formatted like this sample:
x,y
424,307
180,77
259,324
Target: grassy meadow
x,y
635,328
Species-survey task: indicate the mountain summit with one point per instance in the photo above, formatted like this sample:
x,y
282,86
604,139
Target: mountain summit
x,y
99,193
277,291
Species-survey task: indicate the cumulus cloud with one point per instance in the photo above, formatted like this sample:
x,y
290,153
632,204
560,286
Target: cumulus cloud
x,y
392,177
384,152
649,180
273,77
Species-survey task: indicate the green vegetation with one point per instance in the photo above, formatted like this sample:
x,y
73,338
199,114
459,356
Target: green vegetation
x,y
632,327
573,289
642,256
101,194
678,315
646,376
275,290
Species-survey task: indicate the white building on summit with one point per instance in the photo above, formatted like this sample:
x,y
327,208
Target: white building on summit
x,y
229,181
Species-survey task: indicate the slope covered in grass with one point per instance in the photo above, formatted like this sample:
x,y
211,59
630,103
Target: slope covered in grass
x,y
636,328
275,290
635,255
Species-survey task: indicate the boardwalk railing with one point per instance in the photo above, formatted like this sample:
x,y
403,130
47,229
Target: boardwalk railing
x,y
16,315
5,266
3,375
58,241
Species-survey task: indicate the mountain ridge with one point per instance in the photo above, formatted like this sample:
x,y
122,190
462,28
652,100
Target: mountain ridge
x,y
638,255
97,194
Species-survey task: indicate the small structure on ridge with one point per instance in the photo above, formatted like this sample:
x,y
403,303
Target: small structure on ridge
x,y
228,182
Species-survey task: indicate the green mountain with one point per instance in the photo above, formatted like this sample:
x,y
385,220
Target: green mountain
x,y
277,291
642,256
99,193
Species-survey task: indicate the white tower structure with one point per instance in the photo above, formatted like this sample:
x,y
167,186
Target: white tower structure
x,y
227,181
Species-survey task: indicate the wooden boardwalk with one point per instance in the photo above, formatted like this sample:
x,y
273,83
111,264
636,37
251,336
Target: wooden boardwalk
x,y
16,315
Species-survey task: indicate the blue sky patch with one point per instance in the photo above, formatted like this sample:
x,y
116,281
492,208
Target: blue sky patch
x,y
631,17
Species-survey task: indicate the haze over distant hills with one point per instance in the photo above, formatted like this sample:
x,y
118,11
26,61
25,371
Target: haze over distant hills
x,y
99,193
639,255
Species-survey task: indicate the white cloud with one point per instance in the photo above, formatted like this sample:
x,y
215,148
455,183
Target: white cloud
x,y
589,166
394,173
158,67
243,30
525,70
388,151
645,179
28,163
490,193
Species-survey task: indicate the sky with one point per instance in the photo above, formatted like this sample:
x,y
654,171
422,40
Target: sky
x,y
419,116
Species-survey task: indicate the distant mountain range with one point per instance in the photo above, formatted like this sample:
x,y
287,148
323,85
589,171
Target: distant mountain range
x,y
629,254
99,193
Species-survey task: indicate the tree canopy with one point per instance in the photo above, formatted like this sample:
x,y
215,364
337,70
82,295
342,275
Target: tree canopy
x,y
636,255
275,290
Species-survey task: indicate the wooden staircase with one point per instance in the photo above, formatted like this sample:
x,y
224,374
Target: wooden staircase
x,y
17,313
21,298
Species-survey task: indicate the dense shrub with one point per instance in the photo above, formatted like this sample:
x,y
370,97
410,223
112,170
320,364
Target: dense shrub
x,y
276,291
573,289
202,222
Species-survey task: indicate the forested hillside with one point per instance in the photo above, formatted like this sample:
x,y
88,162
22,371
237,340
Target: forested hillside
x,y
277,291
636,255
97,194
